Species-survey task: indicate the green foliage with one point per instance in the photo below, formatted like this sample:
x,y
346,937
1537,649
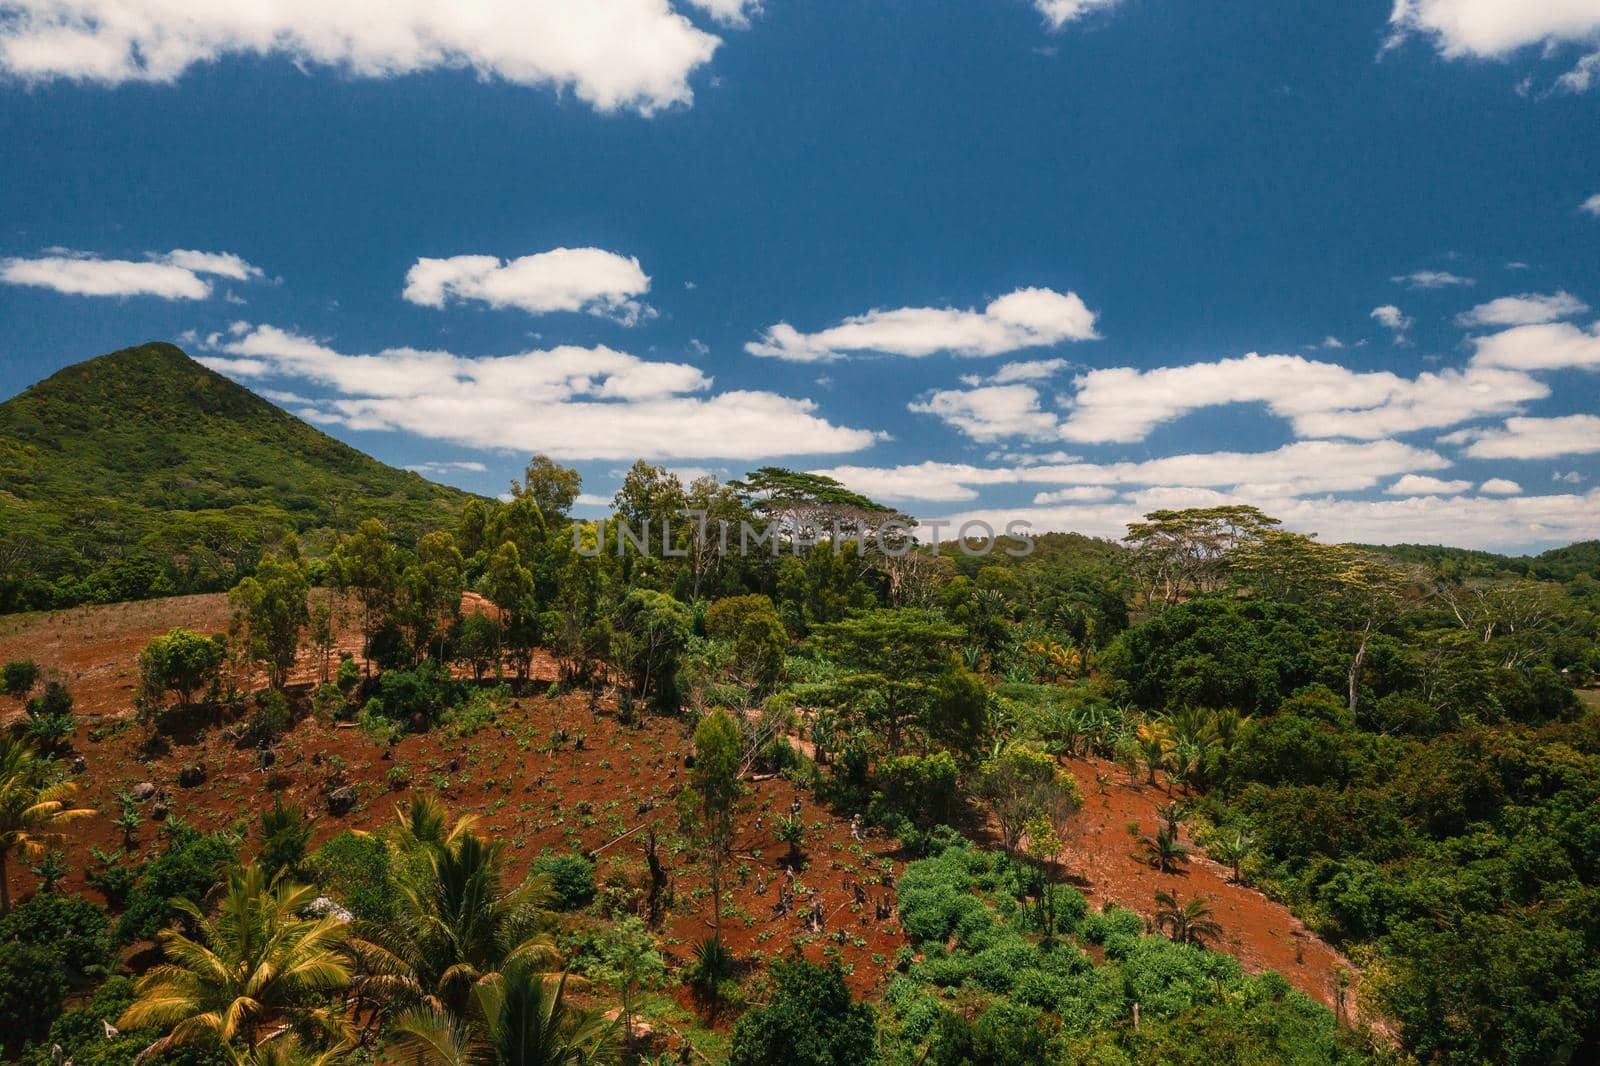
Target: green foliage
x,y
356,870
188,867
572,882
285,832
920,787
73,928
191,478
18,677
1215,652
32,985
180,662
759,642
50,719
809,1021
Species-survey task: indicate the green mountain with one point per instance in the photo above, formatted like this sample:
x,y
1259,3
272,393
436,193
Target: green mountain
x,y
143,473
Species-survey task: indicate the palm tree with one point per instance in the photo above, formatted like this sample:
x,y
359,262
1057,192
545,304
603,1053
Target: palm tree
x,y
516,1018
1233,848
425,822
1186,923
456,925
33,811
1164,850
256,961
287,1051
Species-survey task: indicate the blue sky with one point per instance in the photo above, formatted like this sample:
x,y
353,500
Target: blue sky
x,y
1062,261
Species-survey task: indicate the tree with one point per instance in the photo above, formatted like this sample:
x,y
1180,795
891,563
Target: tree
x,y
1022,784
895,657
273,603
457,922
478,643
323,634
628,961
18,677
364,563
1187,553
515,1018
752,626
714,788
1164,851
649,633
509,586
1233,847
254,962
180,662
551,487
1189,922
33,807
809,1021
430,590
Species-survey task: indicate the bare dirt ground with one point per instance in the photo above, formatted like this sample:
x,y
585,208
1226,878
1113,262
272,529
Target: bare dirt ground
x,y
538,794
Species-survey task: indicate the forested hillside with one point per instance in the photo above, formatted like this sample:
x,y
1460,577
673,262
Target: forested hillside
x,y
142,473
818,804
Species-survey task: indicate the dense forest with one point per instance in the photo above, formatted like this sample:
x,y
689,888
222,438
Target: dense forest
x,y
1400,744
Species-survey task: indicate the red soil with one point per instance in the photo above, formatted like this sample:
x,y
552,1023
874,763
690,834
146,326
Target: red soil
x,y
533,795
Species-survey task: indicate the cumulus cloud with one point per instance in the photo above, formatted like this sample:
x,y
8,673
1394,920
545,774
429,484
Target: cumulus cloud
x,y
570,402
1025,318
611,54
1515,523
991,412
1422,484
1431,279
1531,438
1320,399
1530,308
181,274
729,12
1393,319
460,466
1492,29
591,280
1591,206
1499,486
1548,346
1057,13
1076,494
1292,470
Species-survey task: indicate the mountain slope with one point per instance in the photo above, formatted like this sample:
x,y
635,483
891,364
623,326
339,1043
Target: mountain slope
x,y
144,473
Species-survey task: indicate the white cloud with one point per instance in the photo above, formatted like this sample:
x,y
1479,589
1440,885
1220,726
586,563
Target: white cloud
x,y
1076,494
1591,206
1320,399
1431,279
176,275
1492,29
1292,470
570,402
1499,486
1391,317
1025,318
729,12
992,412
465,466
1057,13
1527,309
1531,438
1033,370
1549,346
1571,477
611,54
563,279
1499,524
1422,484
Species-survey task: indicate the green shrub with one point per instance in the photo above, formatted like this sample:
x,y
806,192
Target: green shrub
x,y
920,787
75,929
191,864
809,1021
571,879
32,985
356,870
